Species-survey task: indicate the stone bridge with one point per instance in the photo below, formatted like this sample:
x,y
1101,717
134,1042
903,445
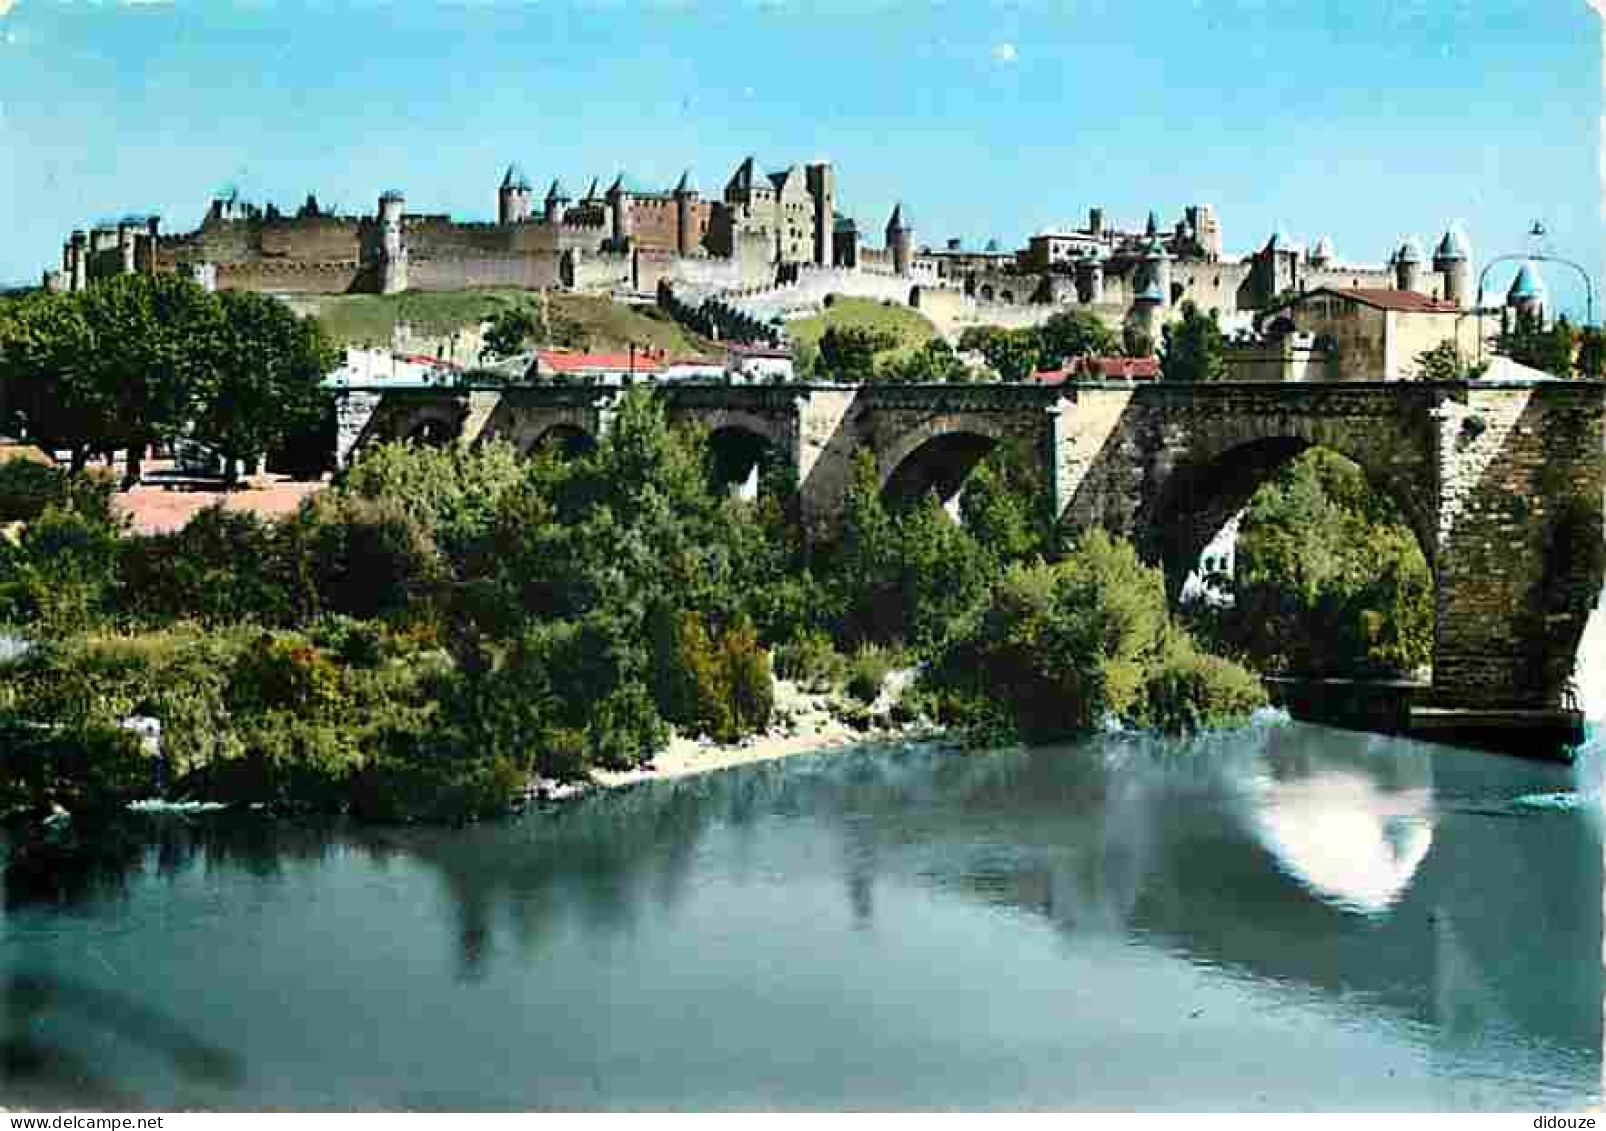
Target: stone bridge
x,y
1503,482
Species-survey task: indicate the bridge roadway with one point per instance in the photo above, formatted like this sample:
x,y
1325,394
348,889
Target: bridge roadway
x,y
1504,483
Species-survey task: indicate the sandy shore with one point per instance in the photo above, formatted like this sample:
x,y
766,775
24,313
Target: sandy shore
x,y
805,725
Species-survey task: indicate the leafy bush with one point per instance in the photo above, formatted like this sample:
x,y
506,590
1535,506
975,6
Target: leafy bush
x,y
868,670
1062,647
453,493
90,766
221,568
1189,690
714,682
28,487
811,660
59,576
362,557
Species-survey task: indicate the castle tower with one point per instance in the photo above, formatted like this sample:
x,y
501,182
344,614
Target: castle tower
x,y
557,202
900,242
79,267
1408,265
821,181
1527,295
1157,266
153,238
1090,279
513,198
393,244
1281,257
1452,259
618,199
1206,230
685,196
1152,228
125,246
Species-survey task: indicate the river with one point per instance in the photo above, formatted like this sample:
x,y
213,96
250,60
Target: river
x,y
1287,917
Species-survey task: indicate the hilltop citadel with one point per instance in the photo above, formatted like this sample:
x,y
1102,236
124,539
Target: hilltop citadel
x,y
771,245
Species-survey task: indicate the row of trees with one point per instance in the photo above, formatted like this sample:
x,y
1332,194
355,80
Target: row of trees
x,y
142,359
439,625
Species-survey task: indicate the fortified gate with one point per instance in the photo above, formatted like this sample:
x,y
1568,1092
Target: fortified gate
x,y
1504,483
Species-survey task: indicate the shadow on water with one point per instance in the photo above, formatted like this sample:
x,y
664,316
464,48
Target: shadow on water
x,y
34,1069
1420,880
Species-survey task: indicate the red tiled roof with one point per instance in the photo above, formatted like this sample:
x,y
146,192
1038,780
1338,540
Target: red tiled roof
x,y
425,359
564,361
1103,369
1384,299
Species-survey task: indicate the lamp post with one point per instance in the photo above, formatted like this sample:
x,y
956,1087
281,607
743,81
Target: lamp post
x,y
1536,231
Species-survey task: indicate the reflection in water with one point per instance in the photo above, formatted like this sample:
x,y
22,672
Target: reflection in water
x,y
1344,832
1288,915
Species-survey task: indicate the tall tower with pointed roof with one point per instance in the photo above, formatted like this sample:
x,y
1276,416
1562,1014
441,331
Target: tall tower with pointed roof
x,y
900,241
513,198
1408,265
557,202
1452,259
1527,294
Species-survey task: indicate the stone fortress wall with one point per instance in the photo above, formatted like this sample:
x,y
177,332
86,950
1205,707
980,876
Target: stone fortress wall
x,y
770,247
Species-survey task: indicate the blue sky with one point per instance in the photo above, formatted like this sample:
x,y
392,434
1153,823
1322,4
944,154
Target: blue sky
x,y
1365,120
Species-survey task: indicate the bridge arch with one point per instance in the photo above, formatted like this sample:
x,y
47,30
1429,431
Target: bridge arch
x,y
937,457
1199,496
433,424
567,439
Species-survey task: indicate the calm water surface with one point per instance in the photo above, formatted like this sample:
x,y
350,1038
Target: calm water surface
x,y
1287,917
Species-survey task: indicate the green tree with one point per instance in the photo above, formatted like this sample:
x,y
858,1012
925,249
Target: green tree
x,y
151,357
1442,363
264,369
46,356
511,331
1075,334
1013,354
1529,342
1591,352
848,353
932,364
1329,577
1194,349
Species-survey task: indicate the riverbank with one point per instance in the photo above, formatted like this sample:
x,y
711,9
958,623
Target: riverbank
x,y
806,723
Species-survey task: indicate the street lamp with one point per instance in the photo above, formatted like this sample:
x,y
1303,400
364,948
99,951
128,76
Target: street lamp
x,y
1537,231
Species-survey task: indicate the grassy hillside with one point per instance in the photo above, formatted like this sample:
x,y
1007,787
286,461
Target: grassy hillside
x,y
586,321
910,327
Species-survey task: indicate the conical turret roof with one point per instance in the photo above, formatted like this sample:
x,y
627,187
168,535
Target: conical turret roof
x,y
686,186
515,178
557,191
742,179
1453,246
1528,285
897,222
1410,251
1323,249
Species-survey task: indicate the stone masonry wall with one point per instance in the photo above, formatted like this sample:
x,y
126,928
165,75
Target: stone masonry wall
x,y
1519,533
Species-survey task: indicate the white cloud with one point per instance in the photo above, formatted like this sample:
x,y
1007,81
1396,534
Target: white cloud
x,y
1004,53
6,6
